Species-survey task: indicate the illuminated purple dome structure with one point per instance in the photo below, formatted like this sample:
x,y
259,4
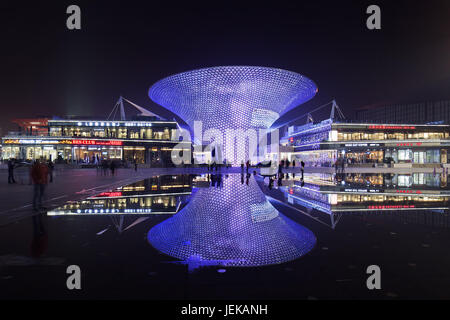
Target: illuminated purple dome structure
x,y
233,97
232,225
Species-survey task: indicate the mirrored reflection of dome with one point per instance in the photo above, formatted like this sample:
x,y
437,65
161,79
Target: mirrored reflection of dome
x,y
233,225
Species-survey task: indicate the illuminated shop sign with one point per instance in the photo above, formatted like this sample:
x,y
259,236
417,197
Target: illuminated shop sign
x,y
364,190
116,124
110,194
107,211
409,144
36,141
97,142
98,211
362,145
408,191
11,141
381,127
391,207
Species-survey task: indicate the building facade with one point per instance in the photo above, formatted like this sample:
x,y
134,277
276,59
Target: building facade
x,y
365,144
89,142
421,113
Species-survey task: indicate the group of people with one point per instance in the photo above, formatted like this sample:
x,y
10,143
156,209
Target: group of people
x,y
12,164
41,173
286,163
106,166
340,165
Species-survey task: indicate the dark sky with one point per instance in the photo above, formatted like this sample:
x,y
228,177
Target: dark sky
x,y
126,46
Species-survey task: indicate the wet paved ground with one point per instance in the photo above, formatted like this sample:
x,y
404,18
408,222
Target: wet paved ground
x,y
412,254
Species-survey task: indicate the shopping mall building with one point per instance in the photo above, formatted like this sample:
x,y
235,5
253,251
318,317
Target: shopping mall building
x,y
365,144
242,98
76,141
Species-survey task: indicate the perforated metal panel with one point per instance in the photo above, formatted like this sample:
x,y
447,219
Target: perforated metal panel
x,y
232,97
233,225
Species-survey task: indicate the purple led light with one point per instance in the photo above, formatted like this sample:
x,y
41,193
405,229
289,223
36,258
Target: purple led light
x,y
233,97
231,226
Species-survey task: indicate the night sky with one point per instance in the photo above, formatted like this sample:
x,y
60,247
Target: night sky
x,y
124,47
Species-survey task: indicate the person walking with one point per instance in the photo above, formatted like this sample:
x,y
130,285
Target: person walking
x,y
50,169
135,165
302,167
105,167
39,177
280,169
112,167
11,171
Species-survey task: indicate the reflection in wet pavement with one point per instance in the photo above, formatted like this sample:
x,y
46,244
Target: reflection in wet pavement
x,y
327,197
156,195
211,222
233,225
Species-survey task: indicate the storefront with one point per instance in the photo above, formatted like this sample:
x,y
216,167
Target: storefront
x,y
324,143
364,156
90,151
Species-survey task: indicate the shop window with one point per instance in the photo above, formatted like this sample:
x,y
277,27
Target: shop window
x,y
55,131
174,134
404,181
166,135
99,133
134,135
122,133
11,153
158,135
146,133
405,155
419,157
112,133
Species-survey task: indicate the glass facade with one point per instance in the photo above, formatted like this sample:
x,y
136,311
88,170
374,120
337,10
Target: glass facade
x,y
90,142
326,143
376,136
159,133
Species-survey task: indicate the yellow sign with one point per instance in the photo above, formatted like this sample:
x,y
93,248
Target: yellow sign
x,y
11,141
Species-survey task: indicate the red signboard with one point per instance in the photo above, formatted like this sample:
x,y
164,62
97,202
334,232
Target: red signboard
x,y
408,191
383,127
409,144
110,194
98,142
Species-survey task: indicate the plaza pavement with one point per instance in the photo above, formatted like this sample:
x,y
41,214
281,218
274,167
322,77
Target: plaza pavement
x,y
68,184
76,184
